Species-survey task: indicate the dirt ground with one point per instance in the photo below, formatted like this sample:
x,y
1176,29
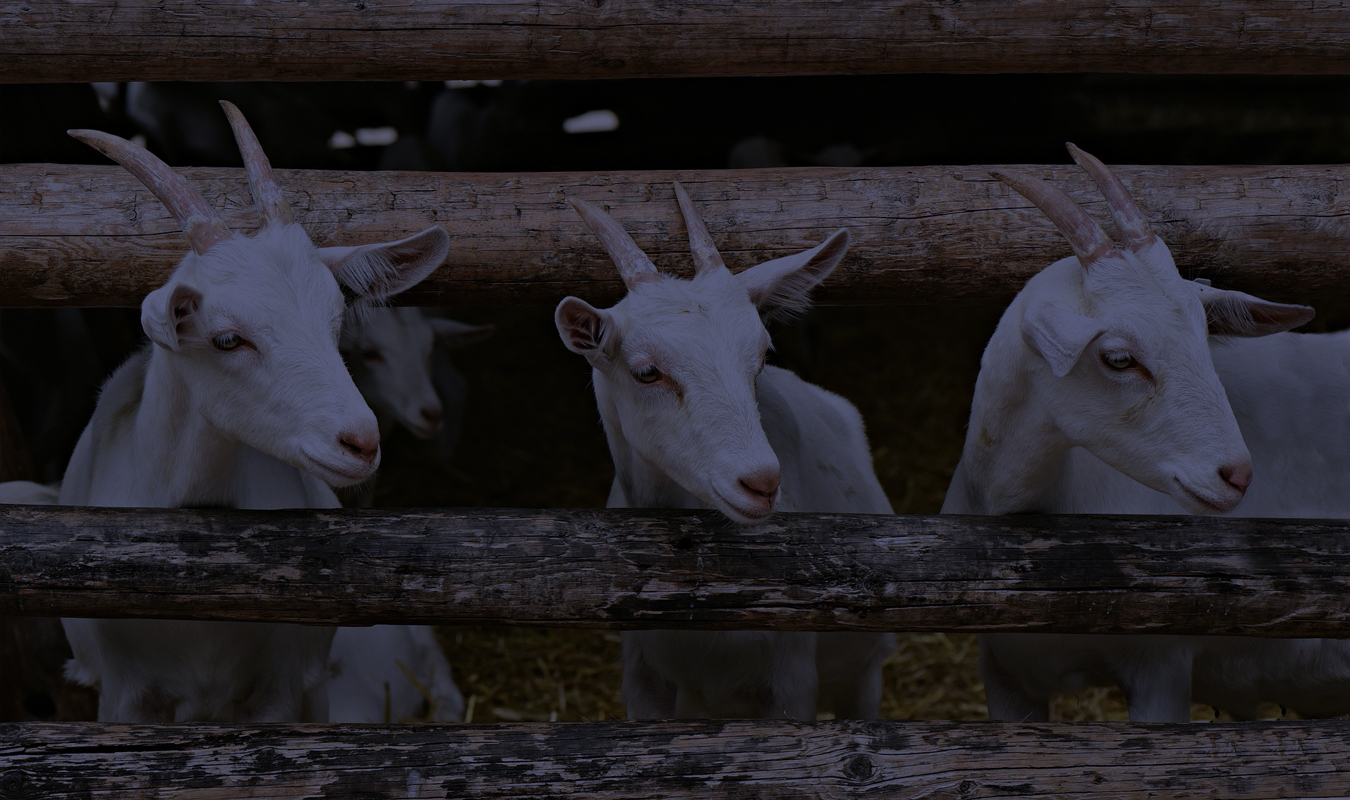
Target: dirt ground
x,y
532,438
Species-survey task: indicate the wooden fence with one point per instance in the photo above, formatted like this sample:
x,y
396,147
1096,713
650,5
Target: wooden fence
x,y
92,236
682,570
87,236
764,760
113,40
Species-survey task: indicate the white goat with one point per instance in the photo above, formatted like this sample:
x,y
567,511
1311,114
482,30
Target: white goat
x,y
1107,352
1288,393
391,673
242,401
387,673
695,419
389,351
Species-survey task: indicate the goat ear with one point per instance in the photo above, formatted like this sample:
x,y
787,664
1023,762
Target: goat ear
x,y
377,272
786,283
1237,314
583,328
168,314
1059,336
453,333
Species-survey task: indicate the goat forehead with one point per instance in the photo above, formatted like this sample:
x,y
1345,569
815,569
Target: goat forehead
x,y
280,258
1149,300
687,322
278,305
273,278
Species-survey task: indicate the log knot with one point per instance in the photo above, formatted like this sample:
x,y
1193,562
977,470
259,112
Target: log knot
x,y
15,783
859,768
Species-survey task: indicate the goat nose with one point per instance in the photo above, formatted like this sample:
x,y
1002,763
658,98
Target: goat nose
x,y
364,445
432,417
763,484
1239,476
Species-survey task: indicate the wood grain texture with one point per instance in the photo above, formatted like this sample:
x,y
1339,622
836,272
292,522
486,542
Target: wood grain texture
x,y
682,570
116,40
73,235
703,760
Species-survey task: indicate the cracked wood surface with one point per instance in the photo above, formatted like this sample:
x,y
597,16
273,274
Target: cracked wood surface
x,y
644,761
364,40
682,570
87,236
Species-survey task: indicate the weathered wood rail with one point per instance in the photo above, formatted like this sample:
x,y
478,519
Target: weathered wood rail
x,y
621,760
88,236
682,569
115,40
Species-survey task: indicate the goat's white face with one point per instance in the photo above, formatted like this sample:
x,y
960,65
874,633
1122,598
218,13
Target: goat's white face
x,y
679,361
1127,351
251,324
389,351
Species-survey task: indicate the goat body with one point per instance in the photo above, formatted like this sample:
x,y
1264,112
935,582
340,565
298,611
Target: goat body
x,y
391,673
1288,392
242,401
1106,353
695,420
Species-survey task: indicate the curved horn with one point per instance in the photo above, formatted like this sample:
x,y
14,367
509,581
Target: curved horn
x,y
267,196
634,266
1089,241
199,221
706,257
1132,223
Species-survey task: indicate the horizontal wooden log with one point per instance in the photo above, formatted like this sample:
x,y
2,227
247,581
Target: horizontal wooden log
x,y
360,40
703,760
682,569
74,235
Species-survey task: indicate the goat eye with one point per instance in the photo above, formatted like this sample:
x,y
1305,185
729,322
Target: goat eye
x,y
228,341
372,355
1119,360
647,373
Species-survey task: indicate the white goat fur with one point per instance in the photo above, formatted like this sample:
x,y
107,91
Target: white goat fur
x,y
242,401
389,351
1048,389
391,673
1288,392
28,493
713,424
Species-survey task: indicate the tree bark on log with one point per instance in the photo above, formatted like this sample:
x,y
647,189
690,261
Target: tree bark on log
x,y
187,40
89,236
648,760
682,570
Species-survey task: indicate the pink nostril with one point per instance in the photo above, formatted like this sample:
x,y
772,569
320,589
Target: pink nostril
x,y
432,417
1239,477
364,446
764,484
